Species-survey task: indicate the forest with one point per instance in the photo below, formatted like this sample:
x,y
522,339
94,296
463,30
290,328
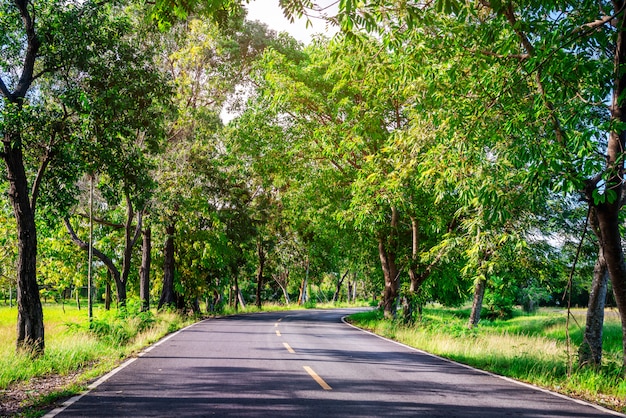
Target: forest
x,y
444,151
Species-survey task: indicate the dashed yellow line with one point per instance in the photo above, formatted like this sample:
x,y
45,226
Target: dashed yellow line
x,y
291,350
278,333
317,378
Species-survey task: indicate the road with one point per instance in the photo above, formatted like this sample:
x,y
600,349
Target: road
x,y
306,364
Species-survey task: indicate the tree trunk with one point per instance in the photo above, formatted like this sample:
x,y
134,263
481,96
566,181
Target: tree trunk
x,y
350,284
130,238
107,292
304,297
608,212
168,297
386,252
235,292
590,351
144,272
338,288
259,276
477,304
286,295
282,279
242,301
30,328
217,299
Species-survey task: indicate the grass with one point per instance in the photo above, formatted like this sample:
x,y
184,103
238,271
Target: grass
x,y
530,348
73,349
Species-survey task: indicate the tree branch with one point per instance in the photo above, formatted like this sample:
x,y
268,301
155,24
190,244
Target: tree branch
x,y
5,91
102,221
520,57
137,228
32,47
42,169
85,247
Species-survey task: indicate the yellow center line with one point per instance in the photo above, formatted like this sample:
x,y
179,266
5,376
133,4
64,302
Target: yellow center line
x,y
317,378
276,325
278,333
289,348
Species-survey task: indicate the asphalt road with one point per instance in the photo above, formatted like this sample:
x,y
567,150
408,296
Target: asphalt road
x,y
305,364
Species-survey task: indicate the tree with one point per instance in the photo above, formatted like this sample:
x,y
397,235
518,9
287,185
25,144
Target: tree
x,y
43,39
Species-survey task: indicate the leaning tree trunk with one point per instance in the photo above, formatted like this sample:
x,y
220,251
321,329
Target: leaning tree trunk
x,y
144,272
477,304
168,296
386,252
590,351
338,287
282,279
30,328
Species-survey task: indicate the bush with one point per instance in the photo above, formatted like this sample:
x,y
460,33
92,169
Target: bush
x,y
122,326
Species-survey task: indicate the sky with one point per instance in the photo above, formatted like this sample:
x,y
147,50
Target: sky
x,y
270,13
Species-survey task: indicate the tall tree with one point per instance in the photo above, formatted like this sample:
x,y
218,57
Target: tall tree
x,y
43,39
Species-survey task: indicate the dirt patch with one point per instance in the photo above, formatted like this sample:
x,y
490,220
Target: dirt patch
x,y
23,395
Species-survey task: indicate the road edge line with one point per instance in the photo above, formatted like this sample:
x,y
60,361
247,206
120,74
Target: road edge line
x,y
102,379
508,379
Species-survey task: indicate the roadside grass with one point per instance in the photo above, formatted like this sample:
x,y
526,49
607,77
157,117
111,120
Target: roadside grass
x,y
75,351
532,348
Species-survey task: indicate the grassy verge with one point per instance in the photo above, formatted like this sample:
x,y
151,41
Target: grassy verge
x,y
74,354
531,348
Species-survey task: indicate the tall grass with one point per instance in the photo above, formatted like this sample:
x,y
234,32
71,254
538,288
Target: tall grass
x,y
531,348
73,346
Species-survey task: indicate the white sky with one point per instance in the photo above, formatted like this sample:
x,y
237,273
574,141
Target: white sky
x,y
270,13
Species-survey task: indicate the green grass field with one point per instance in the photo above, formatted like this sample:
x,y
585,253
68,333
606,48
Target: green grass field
x,y
532,348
